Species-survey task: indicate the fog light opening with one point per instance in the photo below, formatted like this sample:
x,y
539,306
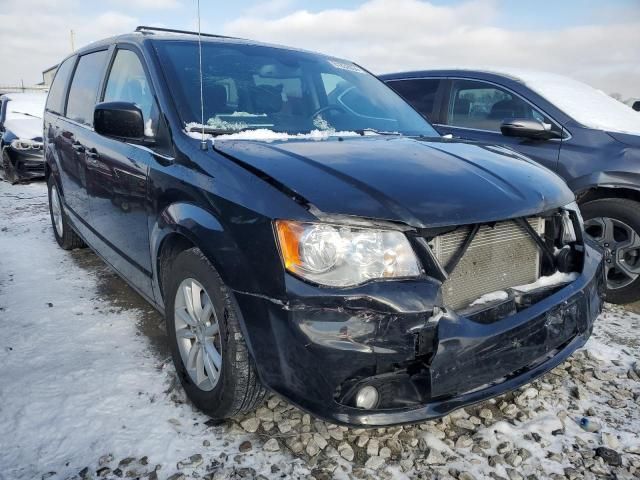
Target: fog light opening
x,y
367,397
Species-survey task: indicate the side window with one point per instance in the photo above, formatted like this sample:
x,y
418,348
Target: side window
x,y
420,93
55,99
484,106
84,87
127,82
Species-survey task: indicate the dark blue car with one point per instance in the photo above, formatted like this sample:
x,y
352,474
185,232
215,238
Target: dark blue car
x,y
305,231
588,138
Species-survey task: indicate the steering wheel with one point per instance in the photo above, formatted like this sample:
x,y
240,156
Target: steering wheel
x,y
328,108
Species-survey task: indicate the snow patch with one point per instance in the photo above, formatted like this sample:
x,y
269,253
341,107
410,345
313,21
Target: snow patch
x,y
266,135
25,105
490,297
79,377
557,278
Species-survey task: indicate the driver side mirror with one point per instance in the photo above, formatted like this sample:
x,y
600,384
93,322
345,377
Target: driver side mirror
x,y
636,106
121,120
527,128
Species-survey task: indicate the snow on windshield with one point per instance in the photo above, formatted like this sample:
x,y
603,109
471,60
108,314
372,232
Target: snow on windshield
x,y
26,105
264,134
586,105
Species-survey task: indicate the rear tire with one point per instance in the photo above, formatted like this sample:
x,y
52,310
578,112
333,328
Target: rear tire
x,y
66,237
615,225
233,387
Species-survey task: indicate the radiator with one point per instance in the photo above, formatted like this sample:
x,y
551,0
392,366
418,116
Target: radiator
x,y
499,257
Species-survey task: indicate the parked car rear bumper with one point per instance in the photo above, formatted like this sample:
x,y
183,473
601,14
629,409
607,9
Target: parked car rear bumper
x,y
318,355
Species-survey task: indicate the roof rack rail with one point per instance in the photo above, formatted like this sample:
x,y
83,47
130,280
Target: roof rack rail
x,y
144,28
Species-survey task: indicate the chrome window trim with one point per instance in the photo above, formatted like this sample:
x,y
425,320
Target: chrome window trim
x,y
556,123
148,150
499,133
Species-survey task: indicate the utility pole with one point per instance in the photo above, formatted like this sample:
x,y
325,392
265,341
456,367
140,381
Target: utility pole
x,y
71,36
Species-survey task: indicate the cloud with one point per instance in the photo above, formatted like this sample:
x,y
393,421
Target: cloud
x,y
147,4
268,8
391,35
33,41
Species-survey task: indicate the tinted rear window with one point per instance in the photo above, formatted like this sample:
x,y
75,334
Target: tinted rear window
x,y
83,92
55,100
420,93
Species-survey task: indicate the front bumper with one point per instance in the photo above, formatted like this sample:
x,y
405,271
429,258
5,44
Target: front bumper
x,y
319,348
26,164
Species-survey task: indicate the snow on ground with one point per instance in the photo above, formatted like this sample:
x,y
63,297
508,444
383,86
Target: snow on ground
x,y
78,378
87,391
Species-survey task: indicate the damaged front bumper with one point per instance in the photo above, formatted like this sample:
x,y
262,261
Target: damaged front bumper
x,y
26,165
322,346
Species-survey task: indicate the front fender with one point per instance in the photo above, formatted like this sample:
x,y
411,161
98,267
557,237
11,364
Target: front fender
x,y
197,224
52,166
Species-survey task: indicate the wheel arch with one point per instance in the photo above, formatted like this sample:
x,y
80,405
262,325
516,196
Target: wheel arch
x,y
600,185
51,168
184,225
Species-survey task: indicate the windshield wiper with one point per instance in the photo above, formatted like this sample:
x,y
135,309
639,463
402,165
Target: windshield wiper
x,y
218,131
26,114
364,131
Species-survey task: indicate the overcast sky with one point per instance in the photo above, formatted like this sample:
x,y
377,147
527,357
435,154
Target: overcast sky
x,y
594,41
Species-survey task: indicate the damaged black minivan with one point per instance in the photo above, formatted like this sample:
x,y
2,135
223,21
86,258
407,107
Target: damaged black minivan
x,y
306,232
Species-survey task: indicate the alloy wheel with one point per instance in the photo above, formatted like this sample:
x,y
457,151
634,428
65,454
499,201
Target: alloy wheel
x,y
198,334
621,245
56,211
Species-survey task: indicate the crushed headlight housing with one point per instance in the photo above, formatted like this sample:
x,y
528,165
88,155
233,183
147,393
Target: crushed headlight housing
x,y
20,144
341,256
568,230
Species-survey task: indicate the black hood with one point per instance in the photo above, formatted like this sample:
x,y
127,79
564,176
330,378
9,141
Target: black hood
x,y
417,182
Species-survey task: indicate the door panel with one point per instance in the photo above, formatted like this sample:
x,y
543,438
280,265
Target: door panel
x,y
476,109
75,130
117,174
73,169
117,183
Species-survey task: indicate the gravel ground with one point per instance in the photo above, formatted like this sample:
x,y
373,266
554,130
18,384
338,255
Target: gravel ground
x,y
87,391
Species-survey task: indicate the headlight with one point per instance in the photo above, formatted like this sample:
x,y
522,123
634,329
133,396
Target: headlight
x,y
341,256
19,144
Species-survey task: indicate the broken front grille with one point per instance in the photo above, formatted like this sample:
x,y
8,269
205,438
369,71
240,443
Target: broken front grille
x,y
500,256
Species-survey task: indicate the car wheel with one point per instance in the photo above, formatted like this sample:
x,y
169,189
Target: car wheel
x,y
207,345
65,236
615,224
9,172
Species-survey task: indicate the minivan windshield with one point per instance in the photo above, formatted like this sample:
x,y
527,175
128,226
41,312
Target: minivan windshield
x,y
249,87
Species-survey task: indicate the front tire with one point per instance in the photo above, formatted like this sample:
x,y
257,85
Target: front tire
x,y
615,224
207,345
64,234
9,174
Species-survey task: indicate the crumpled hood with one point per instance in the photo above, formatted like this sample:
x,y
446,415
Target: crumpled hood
x,y
417,182
25,128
